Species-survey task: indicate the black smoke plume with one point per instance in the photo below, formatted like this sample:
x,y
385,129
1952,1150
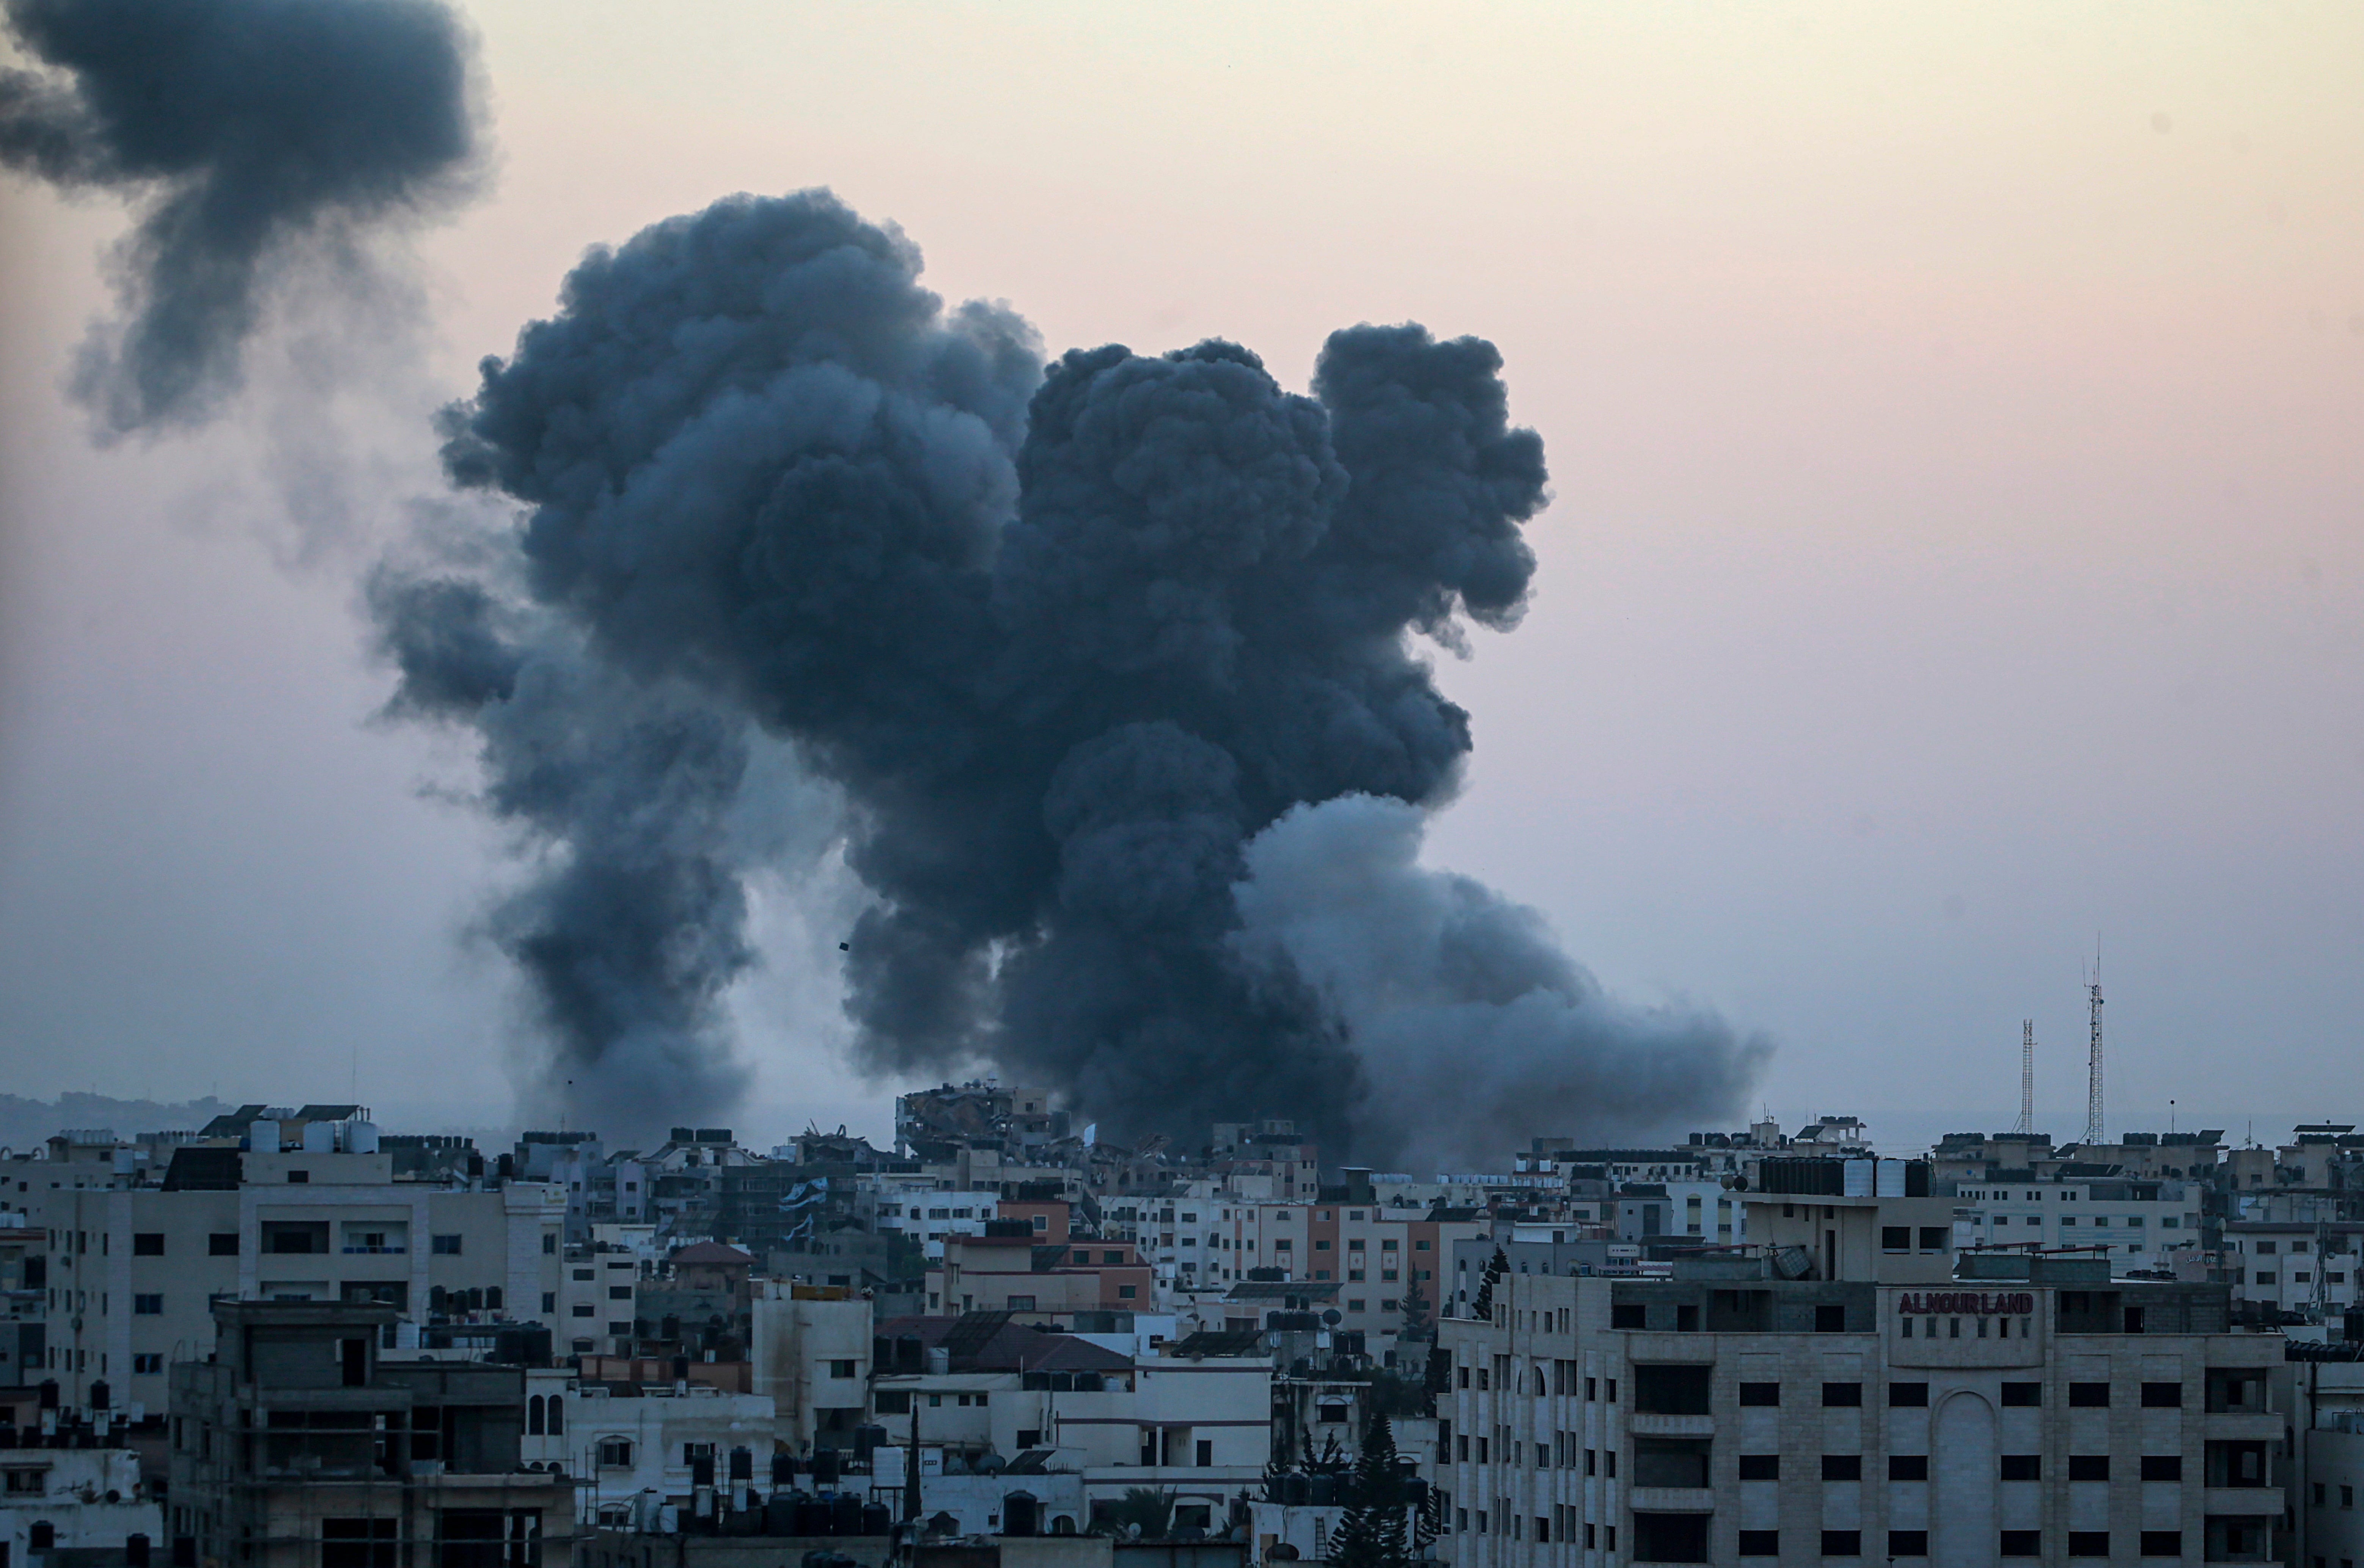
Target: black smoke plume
x,y
253,132
1069,641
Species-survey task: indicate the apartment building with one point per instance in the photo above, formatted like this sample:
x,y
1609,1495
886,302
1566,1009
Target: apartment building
x,y
810,1349
298,1445
1375,1254
2033,1409
2293,1268
134,1260
597,1310
2138,1221
1057,1405
1012,1269
909,1206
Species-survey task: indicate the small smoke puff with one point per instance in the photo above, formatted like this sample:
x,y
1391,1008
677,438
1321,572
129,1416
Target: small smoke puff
x,y
1472,1025
253,132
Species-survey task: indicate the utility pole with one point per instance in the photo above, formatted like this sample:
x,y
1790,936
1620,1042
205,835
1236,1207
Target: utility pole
x,y
2026,1122
2093,1129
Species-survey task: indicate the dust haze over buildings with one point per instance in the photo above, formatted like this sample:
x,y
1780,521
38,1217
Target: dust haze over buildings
x,y
1104,671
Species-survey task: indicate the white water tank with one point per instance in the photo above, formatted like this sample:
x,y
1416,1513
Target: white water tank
x,y
1858,1178
263,1137
319,1137
1892,1179
360,1137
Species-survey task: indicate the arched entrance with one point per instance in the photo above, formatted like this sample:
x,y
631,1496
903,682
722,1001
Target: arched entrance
x,y
1962,1468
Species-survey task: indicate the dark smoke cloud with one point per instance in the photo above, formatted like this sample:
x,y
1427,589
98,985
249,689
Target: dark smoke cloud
x,y
633,923
1067,642
253,132
1469,1017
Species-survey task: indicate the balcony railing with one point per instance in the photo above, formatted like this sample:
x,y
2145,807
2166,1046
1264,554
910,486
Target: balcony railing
x,y
376,1250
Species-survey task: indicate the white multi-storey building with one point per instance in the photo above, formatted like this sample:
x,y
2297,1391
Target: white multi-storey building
x,y
134,1260
2305,1268
2137,1222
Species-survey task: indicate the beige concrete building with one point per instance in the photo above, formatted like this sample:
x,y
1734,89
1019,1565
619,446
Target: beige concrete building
x,y
2058,1418
810,1346
134,1259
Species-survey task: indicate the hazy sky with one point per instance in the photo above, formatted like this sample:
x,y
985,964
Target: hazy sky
x,y
1958,549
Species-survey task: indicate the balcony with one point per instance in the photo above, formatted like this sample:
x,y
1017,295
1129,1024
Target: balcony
x,y
373,1251
1672,1499
1645,1424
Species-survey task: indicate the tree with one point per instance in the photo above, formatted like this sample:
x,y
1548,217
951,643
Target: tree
x,y
1371,1535
1415,1311
1495,1267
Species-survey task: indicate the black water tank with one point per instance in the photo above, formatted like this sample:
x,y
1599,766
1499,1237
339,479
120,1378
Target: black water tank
x,y
743,1465
824,1467
701,1470
812,1517
876,1518
784,1470
845,1515
780,1516
135,1552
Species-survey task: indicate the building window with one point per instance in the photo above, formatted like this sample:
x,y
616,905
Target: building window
x,y
222,1244
1908,1544
1750,1393
146,1244
586,1310
148,1305
2162,1396
1842,1543
1842,1467
2162,1467
842,1368
148,1363
2022,1467
2089,1467
2023,1544
1908,1396
2023,1393
1760,1467
1908,1467
1760,1543
358,1542
615,1453
1837,1394
449,1246
2089,1543
2090,1396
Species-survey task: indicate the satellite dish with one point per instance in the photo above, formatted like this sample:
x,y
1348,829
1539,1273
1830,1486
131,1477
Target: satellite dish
x,y
1330,1318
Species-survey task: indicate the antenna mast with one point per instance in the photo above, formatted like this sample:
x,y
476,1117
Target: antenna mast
x,y
2093,1133
2026,1122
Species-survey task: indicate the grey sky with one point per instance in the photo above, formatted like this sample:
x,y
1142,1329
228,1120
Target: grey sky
x,y
1952,421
